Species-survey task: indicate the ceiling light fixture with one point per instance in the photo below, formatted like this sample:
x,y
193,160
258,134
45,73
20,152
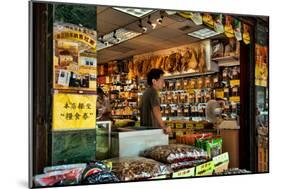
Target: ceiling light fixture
x,y
135,12
203,33
144,29
160,20
153,25
117,39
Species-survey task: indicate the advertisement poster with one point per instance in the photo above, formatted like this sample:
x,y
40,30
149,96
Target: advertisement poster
x,y
75,62
74,111
261,70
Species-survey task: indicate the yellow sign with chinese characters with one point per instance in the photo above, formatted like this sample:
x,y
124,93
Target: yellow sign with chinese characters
x,y
74,111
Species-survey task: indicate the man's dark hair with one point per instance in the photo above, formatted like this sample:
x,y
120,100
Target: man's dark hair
x,y
154,74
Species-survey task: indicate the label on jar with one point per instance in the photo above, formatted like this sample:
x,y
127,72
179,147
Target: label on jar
x,y
189,126
226,90
186,110
234,99
235,82
179,125
171,84
234,89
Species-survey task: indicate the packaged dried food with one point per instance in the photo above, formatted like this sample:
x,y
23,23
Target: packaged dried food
x,y
101,177
174,153
138,168
64,167
186,164
213,146
59,178
98,172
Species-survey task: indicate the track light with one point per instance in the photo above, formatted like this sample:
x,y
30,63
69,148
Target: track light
x,y
101,39
153,25
144,29
115,37
160,20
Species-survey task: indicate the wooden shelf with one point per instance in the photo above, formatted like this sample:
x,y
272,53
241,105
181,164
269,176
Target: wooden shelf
x,y
227,61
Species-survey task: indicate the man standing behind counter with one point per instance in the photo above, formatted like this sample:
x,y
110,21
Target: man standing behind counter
x,y
150,112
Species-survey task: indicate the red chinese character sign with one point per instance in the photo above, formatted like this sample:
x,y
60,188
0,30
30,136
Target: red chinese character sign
x,y
75,63
73,111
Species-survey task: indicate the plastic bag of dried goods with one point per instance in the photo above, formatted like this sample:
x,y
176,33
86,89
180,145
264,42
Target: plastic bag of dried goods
x,y
213,146
138,168
59,178
64,167
186,164
100,177
174,153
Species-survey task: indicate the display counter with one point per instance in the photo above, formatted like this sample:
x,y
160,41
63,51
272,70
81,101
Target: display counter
x,y
133,141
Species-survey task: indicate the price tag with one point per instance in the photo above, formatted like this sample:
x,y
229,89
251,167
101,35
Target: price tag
x,y
179,125
159,177
234,82
184,173
199,126
205,169
222,158
189,126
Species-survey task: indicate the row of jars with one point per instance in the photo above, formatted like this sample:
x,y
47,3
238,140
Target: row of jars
x,y
195,110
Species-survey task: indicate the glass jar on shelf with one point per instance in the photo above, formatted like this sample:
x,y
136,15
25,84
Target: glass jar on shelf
x,y
175,98
185,83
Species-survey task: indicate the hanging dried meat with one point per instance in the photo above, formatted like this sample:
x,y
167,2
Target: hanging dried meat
x,y
193,63
185,59
202,60
178,62
158,62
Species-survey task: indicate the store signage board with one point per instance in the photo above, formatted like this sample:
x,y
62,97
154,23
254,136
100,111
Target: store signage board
x,y
74,111
75,62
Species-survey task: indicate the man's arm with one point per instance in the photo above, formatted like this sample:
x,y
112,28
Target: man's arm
x,y
157,113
